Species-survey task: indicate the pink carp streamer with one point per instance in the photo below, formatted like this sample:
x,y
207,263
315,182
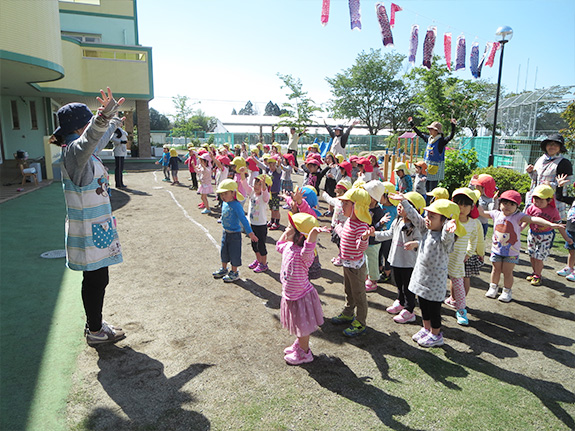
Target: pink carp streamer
x,y
394,8
386,35
414,40
324,12
460,56
428,45
491,57
447,49
474,60
355,14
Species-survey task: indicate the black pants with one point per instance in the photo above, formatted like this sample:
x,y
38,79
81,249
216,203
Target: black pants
x,y
261,232
431,310
93,291
405,296
118,171
194,178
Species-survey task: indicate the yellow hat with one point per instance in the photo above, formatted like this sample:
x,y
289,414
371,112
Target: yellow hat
x,y
315,145
226,144
239,162
265,178
401,167
303,222
389,190
339,158
222,148
237,146
471,194
259,145
439,193
361,200
173,152
213,146
206,145
543,191
190,145
276,144
230,185
344,183
450,210
417,200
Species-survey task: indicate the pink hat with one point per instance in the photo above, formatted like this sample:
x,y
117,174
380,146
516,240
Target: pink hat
x,y
487,182
511,195
354,158
312,160
202,151
224,160
366,164
289,158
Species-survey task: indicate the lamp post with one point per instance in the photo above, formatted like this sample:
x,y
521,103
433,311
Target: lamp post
x,y
503,35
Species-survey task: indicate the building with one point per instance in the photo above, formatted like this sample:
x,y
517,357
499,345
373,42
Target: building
x,y
56,52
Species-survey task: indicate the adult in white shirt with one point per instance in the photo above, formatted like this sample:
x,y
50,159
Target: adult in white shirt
x,y
339,137
120,141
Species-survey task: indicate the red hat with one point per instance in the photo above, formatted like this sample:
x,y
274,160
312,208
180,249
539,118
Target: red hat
x,y
225,160
511,195
252,165
316,156
354,158
313,161
366,164
487,182
347,166
202,151
289,158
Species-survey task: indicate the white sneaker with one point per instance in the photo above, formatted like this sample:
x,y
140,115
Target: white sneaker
x,y
565,272
505,295
492,292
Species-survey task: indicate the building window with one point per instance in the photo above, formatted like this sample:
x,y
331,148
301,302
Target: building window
x,y
33,116
15,118
84,37
114,55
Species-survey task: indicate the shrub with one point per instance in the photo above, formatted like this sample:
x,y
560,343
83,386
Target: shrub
x,y
506,179
458,165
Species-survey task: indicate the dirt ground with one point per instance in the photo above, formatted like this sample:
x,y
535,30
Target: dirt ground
x,y
202,354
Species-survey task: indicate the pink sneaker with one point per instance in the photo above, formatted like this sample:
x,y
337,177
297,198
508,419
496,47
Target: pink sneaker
x,y
336,261
404,317
261,268
298,357
254,264
395,308
450,302
370,286
292,348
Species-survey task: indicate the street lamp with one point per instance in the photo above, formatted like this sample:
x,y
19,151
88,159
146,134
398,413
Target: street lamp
x,y
503,35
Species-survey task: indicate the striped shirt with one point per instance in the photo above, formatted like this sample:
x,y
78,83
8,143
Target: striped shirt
x,y
351,244
296,262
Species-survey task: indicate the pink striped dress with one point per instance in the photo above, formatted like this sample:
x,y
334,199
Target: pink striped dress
x,y
301,311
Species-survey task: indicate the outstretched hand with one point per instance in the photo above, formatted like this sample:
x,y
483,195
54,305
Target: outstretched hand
x,y
109,106
562,180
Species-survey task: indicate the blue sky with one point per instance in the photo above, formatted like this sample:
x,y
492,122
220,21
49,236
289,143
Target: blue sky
x,y
224,53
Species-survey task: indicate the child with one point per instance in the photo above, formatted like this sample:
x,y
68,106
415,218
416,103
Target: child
x,y
345,169
376,189
376,174
313,175
338,218
191,161
540,240
251,161
506,243
485,184
354,168
429,277
568,271
354,236
274,204
365,170
232,215
405,238
205,170
464,251
257,210
420,178
301,311
389,206
403,181
287,169
332,176
174,167
165,162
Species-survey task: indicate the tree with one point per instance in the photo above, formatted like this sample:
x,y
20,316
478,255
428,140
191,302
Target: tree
x,y
182,126
200,121
158,121
234,112
441,96
272,109
373,91
248,109
299,109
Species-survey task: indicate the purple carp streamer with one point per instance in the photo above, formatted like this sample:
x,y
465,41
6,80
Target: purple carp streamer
x,y
324,12
355,14
428,45
386,35
474,60
460,57
414,40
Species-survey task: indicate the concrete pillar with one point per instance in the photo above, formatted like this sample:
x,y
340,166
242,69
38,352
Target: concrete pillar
x,y
143,113
129,127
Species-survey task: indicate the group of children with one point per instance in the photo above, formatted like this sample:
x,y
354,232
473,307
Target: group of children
x,y
423,245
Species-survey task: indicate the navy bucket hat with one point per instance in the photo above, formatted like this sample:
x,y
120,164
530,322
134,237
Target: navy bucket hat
x,y
555,137
72,116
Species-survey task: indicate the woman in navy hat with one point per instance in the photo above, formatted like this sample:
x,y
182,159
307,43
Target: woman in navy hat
x,y
549,165
91,239
339,137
